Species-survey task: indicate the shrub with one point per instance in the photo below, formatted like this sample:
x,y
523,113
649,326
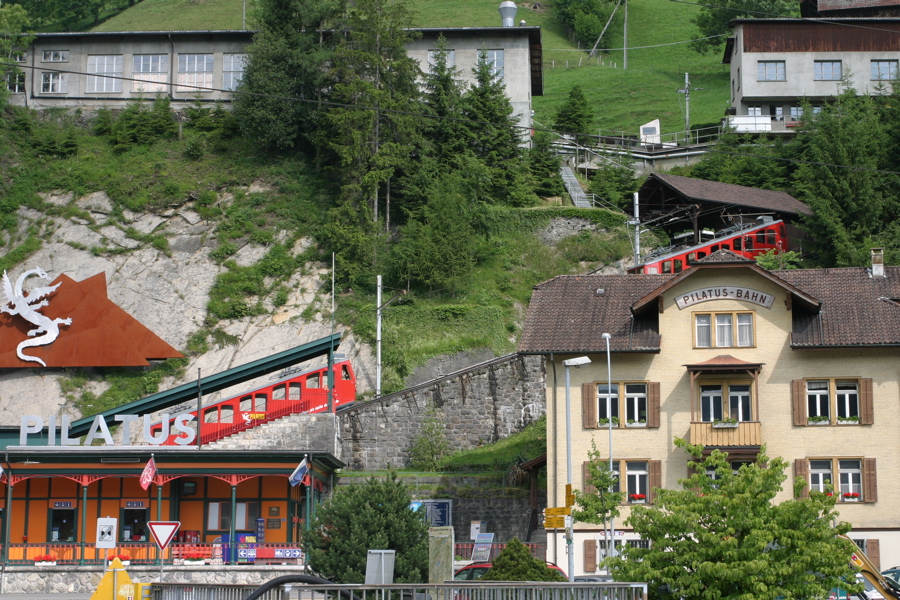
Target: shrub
x,y
515,563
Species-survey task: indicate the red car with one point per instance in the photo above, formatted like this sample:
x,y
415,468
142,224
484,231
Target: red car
x,y
476,570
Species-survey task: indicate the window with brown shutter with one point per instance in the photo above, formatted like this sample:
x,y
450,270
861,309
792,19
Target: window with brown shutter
x,y
655,474
866,404
873,552
586,486
653,405
589,405
801,471
798,401
870,481
590,556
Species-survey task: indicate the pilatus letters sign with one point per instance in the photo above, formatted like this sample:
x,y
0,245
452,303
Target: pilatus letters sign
x,y
724,293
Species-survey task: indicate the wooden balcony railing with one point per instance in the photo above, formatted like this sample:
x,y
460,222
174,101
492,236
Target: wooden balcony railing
x,y
745,433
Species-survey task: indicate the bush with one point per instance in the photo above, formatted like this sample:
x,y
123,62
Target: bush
x,y
515,563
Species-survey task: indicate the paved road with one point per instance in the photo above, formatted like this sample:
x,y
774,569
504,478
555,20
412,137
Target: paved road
x,y
45,596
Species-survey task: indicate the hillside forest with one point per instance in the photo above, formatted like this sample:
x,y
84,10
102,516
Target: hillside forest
x,y
409,175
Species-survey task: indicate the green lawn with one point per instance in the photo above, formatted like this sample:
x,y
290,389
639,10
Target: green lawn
x,y
622,99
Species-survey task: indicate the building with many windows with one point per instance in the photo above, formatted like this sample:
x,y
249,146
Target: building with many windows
x,y
777,64
97,69
732,357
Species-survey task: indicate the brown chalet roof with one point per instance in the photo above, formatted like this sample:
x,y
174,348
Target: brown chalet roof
x,y
723,362
732,195
857,310
831,308
570,313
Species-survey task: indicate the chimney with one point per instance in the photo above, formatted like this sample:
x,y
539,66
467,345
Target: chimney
x,y
508,11
877,263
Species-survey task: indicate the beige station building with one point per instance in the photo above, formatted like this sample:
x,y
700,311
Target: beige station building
x,y
733,357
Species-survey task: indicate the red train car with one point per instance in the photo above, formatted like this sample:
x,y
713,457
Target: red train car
x,y
745,240
301,391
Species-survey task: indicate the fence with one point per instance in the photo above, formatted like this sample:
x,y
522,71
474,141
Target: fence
x,y
480,590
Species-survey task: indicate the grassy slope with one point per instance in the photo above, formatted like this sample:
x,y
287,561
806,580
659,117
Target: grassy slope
x,y
622,99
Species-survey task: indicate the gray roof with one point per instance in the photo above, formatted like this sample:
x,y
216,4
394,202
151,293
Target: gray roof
x,y
731,194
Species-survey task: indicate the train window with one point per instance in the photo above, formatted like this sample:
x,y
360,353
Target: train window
x,y
678,266
691,257
770,237
726,247
295,391
226,414
246,403
737,243
700,255
261,402
278,392
652,270
211,415
312,382
345,372
667,266
748,243
714,247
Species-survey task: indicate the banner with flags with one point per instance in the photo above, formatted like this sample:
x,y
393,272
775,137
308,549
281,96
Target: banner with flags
x,y
300,473
149,473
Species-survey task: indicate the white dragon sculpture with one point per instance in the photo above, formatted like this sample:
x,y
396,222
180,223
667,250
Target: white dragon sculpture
x,y
27,307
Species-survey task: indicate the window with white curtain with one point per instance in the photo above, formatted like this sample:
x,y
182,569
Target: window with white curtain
x,y
100,65
732,329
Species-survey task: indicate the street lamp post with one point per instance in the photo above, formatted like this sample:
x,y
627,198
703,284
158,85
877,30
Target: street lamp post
x,y
611,542
570,542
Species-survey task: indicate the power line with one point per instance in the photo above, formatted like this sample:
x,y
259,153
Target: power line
x,y
640,47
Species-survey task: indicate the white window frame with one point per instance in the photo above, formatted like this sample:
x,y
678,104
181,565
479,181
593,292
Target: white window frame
x,y
846,399
496,59
636,404
233,64
884,69
637,481
613,395
837,398
727,324
770,70
850,478
150,72
15,83
827,70
818,398
55,56
712,407
740,402
54,83
195,71
821,475
100,65
218,516
754,111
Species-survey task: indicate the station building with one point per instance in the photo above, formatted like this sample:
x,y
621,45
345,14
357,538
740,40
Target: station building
x,y
732,357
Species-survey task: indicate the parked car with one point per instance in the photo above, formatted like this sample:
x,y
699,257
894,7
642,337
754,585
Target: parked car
x,y
477,570
594,578
892,573
871,592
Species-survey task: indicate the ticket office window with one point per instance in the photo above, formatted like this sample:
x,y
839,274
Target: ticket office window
x,y
134,524
63,525
219,516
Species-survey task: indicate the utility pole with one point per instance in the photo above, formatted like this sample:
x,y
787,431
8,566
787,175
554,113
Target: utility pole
x,y
625,44
687,102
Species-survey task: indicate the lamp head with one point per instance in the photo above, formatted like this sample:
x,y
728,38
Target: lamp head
x,y
606,336
577,362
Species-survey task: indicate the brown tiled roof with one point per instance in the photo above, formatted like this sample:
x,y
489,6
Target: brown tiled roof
x,y
857,310
734,195
723,361
724,256
832,307
570,313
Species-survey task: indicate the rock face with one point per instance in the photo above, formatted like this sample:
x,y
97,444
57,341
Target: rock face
x,y
166,291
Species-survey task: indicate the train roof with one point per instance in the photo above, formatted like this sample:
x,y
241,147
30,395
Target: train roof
x,y
719,236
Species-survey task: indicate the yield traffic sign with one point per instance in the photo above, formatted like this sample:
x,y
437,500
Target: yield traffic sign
x,y
163,531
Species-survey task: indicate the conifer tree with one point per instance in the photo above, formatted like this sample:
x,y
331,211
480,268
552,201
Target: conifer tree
x,y
575,115
370,516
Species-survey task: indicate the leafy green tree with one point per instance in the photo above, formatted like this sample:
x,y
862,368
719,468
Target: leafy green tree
x,y
286,74
586,18
575,115
773,260
13,21
601,504
515,563
370,516
495,138
724,537
844,147
431,445
712,19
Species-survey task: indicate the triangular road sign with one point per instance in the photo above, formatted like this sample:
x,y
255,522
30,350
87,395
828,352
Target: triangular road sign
x,y
163,531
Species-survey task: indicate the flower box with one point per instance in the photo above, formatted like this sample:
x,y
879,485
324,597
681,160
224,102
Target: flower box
x,y
850,496
45,563
637,498
724,425
636,424
848,421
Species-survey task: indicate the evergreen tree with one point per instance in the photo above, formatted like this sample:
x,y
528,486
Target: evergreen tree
x,y
844,147
724,537
494,137
286,74
443,98
515,563
712,19
575,115
543,162
371,516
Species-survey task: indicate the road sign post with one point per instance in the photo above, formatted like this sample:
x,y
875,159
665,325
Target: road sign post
x,y
163,533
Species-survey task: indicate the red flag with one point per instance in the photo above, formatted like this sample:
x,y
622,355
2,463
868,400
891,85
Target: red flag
x,y
149,473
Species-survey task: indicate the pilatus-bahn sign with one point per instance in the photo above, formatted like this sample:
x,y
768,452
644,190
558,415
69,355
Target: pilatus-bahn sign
x,y
724,292
32,424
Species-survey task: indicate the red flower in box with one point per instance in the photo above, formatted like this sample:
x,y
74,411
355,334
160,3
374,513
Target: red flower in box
x,y
122,557
637,497
851,494
44,558
829,493
194,556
